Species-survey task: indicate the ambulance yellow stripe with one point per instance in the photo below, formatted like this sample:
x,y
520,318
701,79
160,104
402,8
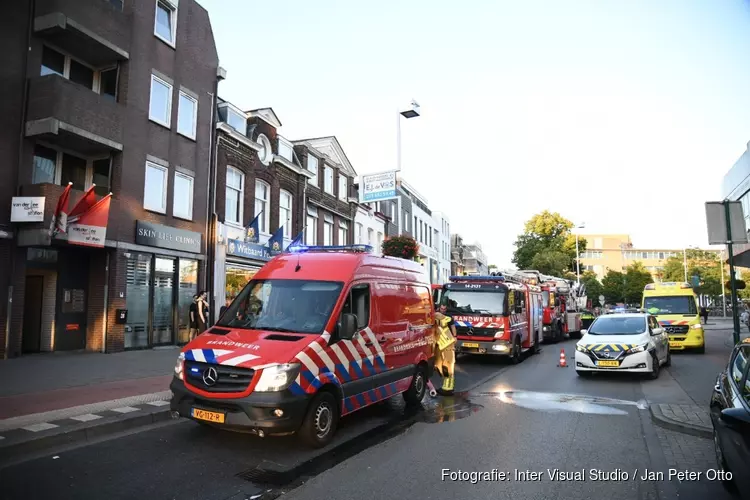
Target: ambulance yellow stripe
x,y
600,347
615,347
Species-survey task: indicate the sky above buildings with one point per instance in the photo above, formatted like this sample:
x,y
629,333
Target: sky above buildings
x,y
622,115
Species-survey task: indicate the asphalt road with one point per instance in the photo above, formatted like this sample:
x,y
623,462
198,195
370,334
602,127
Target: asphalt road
x,y
531,417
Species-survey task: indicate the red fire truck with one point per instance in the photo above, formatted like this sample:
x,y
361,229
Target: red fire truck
x,y
562,306
496,314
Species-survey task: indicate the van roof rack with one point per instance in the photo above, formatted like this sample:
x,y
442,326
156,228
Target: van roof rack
x,y
331,248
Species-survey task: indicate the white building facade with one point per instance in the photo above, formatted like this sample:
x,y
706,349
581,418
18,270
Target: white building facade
x,y
442,232
423,230
369,227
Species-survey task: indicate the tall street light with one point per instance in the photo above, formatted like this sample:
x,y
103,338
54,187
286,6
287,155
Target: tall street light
x,y
414,112
578,256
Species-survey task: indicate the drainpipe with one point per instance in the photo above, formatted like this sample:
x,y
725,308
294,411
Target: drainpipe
x,y
106,302
211,208
21,135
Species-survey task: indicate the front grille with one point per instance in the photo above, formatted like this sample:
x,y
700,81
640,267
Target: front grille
x,y
476,332
677,329
229,378
609,355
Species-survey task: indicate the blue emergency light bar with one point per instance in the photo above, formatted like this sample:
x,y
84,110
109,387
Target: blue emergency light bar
x,y
477,278
331,248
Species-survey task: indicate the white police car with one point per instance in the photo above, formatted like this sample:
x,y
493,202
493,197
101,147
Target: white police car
x,y
629,342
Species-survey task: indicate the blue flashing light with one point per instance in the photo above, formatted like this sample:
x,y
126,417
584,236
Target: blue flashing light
x,y
477,278
331,248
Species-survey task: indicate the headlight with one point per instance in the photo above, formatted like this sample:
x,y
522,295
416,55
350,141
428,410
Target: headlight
x,y
277,378
545,329
581,348
178,366
697,326
638,348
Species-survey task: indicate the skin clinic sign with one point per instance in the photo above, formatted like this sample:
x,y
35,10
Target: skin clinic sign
x,y
378,187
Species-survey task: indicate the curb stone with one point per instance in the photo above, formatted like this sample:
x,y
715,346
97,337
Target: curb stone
x,y
693,429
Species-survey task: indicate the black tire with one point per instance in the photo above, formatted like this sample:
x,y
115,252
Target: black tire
x,y
668,362
701,349
655,368
722,464
416,391
516,355
321,420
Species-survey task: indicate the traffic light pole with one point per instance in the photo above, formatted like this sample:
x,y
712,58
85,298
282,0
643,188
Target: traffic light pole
x,y
732,283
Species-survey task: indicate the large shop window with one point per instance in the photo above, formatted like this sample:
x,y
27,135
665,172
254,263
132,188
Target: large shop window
x,y
234,196
164,269
188,287
311,226
237,277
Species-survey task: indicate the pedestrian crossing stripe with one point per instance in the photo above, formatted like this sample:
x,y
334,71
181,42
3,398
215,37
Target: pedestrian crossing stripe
x,y
609,347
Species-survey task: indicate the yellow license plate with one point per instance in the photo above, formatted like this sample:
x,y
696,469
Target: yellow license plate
x,y
208,416
469,344
675,344
613,364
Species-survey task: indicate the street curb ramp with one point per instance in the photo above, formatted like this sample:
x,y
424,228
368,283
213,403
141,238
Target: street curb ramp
x,y
658,417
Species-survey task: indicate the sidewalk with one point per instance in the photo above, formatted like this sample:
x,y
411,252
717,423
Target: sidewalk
x,y
60,398
679,399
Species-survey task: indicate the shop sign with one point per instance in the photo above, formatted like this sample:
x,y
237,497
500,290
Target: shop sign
x,y
27,209
378,187
157,235
248,250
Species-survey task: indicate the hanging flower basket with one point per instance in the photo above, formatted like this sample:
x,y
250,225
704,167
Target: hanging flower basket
x,y
404,247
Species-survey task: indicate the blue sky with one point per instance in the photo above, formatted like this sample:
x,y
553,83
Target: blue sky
x,y
622,115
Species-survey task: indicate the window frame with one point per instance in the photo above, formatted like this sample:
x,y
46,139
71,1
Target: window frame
x,y
314,179
165,173
95,83
739,386
326,171
189,97
311,231
168,123
287,225
190,197
172,7
365,287
328,222
343,232
343,196
59,152
240,197
265,227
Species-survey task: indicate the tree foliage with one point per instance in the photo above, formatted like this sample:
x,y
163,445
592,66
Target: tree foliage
x,y
593,287
547,245
626,287
702,263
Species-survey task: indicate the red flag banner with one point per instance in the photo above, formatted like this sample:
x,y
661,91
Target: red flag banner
x,y
87,201
90,229
60,215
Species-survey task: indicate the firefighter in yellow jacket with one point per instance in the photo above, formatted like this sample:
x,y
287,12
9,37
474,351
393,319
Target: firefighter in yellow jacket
x,y
445,350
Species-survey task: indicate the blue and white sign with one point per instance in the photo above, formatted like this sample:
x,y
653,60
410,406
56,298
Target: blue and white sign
x,y
248,250
378,187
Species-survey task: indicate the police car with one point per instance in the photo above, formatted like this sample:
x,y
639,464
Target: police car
x,y
625,342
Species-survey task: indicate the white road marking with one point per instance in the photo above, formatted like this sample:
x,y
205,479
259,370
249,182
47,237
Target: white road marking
x,y
125,409
44,426
88,417
158,403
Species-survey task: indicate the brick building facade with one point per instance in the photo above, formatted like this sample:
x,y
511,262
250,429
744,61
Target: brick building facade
x,y
119,95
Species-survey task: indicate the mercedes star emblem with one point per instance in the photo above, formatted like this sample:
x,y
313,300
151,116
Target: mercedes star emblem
x,y
210,376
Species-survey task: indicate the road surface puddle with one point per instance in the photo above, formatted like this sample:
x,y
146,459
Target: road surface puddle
x,y
446,408
553,402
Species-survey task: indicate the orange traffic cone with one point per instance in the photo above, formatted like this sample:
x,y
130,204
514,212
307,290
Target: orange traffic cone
x,y
562,363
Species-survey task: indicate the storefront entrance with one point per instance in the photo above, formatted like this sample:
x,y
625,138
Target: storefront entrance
x,y
158,296
72,294
237,276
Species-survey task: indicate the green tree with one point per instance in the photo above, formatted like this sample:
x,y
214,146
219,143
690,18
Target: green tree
x,y
636,278
547,244
593,287
492,267
613,287
702,263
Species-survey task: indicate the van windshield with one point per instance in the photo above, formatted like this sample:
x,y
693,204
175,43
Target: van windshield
x,y
678,304
489,302
298,306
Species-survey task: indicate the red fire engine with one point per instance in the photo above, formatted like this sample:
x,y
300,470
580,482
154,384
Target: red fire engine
x,y
497,314
561,305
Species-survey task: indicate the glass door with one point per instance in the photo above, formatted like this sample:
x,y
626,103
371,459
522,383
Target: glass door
x,y
162,331
188,288
138,276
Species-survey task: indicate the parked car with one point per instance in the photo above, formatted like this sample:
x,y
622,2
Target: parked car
x,y
730,416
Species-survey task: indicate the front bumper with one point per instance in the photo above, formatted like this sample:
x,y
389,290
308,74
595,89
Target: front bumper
x,y
640,362
690,340
494,347
250,414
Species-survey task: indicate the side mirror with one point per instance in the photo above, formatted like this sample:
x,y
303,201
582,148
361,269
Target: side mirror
x,y
347,326
584,332
735,418
657,331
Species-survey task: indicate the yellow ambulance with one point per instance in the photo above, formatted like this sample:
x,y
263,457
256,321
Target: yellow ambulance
x,y
675,305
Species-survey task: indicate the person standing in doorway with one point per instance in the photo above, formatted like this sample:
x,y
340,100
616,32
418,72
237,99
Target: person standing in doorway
x,y
193,317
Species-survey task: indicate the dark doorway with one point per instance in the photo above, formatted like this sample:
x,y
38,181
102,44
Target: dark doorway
x,y
32,314
72,293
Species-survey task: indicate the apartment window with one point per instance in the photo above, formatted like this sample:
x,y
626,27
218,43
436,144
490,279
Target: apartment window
x,y
236,121
312,167
311,226
327,230
359,234
182,206
262,195
160,105
57,63
166,21
100,175
234,196
371,237
285,212
380,241
343,233
187,115
45,165
73,170
116,4
285,150
328,179
155,188
416,234
55,167
343,188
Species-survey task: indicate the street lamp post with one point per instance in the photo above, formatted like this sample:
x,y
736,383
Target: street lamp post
x,y
723,292
410,113
578,256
